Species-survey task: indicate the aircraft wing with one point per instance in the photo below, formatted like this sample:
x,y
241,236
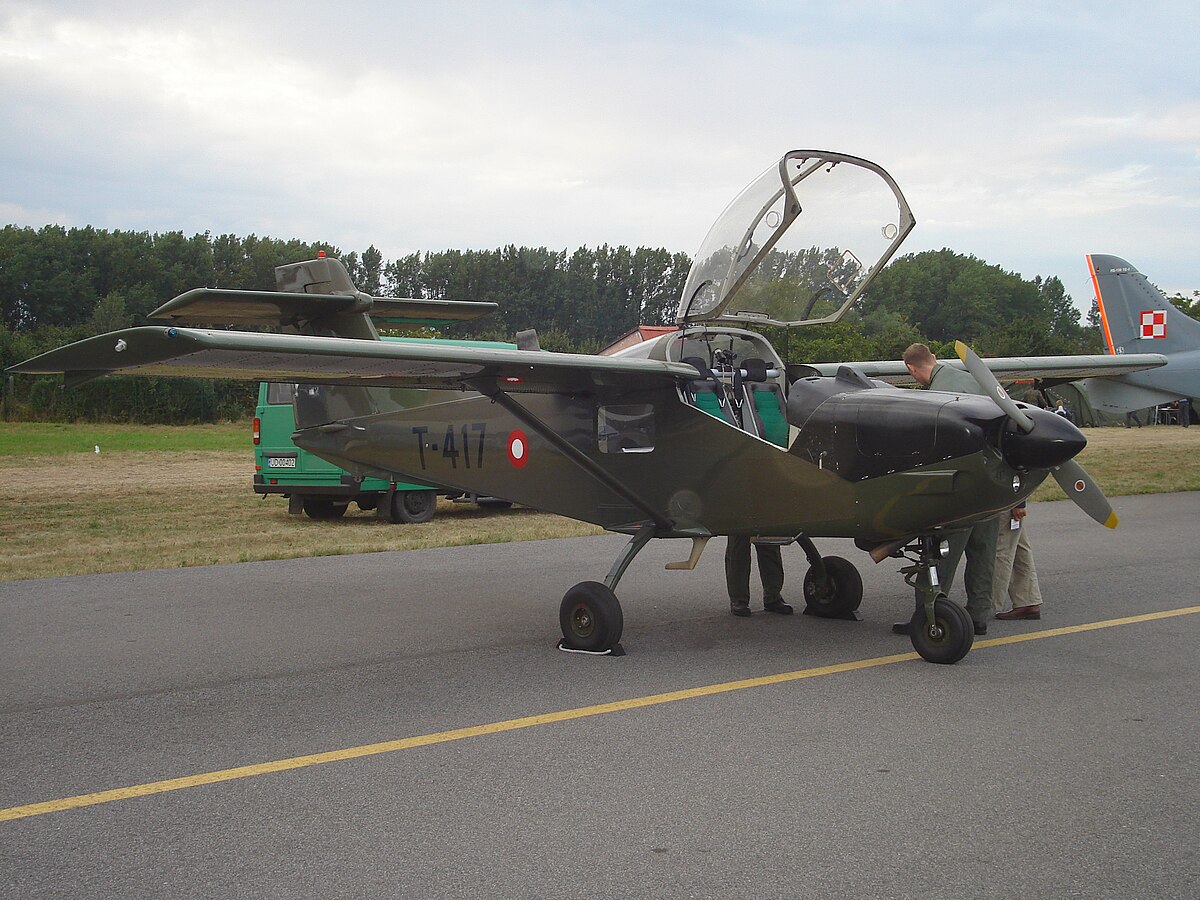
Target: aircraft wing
x,y
248,356
1014,368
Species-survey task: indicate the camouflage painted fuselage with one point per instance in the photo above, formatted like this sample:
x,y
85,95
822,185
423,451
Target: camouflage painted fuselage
x,y
864,461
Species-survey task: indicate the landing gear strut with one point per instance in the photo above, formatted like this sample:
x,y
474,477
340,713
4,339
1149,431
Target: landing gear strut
x,y
590,614
940,629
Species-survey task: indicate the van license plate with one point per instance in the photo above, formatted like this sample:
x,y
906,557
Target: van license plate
x,y
281,462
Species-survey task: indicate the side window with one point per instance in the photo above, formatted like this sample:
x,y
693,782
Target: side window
x,y
280,394
628,428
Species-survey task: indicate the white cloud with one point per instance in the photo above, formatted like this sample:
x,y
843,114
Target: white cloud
x,y
1025,134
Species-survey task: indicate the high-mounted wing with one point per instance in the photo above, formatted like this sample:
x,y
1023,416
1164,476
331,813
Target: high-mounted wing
x,y
200,353
1013,368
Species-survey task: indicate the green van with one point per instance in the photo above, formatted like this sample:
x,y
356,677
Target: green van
x,y
319,488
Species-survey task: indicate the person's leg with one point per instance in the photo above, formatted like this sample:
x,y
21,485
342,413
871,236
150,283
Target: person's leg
x,y
770,570
1025,589
980,567
1006,549
737,574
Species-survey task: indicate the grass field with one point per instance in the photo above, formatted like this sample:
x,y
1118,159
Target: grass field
x,y
158,497
1151,460
41,438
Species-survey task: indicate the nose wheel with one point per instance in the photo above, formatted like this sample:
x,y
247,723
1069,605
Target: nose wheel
x,y
941,631
947,637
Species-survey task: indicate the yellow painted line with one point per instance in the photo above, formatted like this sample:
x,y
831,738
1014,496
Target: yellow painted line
x,y
459,734
1087,626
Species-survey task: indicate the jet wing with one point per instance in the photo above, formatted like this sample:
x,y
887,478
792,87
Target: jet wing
x,y
247,356
1014,368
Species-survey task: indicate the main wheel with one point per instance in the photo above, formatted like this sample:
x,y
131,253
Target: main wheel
x,y
324,508
840,595
949,638
413,507
590,616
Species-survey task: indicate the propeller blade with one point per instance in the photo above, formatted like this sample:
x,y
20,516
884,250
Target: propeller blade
x,y
986,380
1070,475
1078,485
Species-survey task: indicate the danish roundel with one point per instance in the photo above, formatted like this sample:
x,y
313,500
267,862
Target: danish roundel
x,y
518,448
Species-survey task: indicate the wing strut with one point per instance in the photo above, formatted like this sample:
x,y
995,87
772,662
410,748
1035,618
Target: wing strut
x,y
489,389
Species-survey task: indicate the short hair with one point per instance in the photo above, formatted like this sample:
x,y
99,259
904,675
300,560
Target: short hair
x,y
919,355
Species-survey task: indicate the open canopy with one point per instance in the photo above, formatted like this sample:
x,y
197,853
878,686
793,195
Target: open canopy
x,y
799,245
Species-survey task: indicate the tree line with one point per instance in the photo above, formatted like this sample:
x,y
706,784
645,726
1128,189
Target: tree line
x,y
58,285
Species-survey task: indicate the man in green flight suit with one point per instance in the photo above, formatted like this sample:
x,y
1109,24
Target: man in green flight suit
x,y
980,542
737,576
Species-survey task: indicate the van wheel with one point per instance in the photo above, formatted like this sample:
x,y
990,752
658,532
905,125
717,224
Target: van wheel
x,y
494,503
324,508
413,507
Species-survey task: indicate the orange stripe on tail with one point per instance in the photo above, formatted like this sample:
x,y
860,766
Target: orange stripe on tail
x,y
1100,304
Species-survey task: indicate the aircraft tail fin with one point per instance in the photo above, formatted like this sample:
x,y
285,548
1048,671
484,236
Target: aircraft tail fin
x,y
1135,317
318,297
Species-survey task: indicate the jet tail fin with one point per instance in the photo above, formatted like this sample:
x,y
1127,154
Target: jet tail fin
x,y
1134,315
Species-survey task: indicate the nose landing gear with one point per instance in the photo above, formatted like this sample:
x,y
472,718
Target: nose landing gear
x,y
941,631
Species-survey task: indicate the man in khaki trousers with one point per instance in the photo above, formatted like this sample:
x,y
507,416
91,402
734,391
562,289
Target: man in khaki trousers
x,y
1014,578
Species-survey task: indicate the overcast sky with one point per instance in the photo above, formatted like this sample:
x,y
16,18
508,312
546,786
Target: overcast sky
x,y
1026,134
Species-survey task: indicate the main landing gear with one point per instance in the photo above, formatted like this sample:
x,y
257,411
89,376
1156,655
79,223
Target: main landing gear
x,y
833,589
590,614
941,631
591,618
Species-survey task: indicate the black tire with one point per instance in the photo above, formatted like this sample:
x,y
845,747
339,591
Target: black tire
x,y
413,507
840,596
955,632
494,503
590,617
324,508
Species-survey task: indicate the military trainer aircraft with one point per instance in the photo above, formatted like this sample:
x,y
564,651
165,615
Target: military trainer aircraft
x,y
701,432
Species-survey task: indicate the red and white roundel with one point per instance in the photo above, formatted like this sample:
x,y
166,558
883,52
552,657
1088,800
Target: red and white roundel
x,y
518,449
1080,486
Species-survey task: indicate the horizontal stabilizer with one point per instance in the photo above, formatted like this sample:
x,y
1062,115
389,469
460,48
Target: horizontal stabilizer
x,y
207,306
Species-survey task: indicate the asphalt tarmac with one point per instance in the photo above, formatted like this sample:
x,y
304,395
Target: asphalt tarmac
x,y
158,730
